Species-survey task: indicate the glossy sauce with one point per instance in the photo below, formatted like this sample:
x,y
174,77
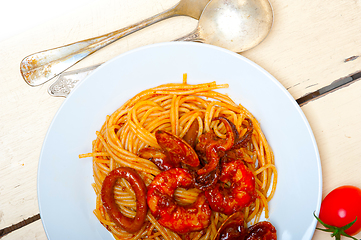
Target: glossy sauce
x,y
233,231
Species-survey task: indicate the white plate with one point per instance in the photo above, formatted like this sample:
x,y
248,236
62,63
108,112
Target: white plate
x,y
66,198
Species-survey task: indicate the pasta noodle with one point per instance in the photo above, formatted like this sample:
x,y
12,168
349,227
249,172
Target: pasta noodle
x,y
173,107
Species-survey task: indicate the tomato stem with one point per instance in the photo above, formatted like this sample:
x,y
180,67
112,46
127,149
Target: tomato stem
x,y
336,231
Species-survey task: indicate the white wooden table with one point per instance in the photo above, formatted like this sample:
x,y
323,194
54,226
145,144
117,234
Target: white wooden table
x,y
312,44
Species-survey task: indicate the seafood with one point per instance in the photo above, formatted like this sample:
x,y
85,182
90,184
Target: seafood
x,y
174,151
238,195
180,219
207,181
234,228
203,152
262,231
242,142
191,136
212,147
131,225
178,149
159,157
227,182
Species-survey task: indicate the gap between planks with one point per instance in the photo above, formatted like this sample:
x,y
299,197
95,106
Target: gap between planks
x,y
19,225
334,86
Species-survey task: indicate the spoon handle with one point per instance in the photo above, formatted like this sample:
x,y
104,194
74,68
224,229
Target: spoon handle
x,y
41,67
192,37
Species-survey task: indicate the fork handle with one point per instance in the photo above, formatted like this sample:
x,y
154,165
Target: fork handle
x,y
41,67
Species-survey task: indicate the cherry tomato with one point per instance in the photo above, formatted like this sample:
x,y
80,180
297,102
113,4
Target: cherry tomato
x,y
341,206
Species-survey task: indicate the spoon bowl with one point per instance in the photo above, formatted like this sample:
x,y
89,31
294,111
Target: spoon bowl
x,y
237,25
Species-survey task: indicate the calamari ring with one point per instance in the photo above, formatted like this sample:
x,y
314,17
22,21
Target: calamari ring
x,y
130,225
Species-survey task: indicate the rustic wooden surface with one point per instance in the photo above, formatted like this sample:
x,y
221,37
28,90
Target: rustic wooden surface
x,y
312,44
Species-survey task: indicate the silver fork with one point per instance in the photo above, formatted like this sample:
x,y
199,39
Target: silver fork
x,y
41,67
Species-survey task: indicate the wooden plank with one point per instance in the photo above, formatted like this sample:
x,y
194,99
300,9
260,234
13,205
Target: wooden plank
x,y
335,120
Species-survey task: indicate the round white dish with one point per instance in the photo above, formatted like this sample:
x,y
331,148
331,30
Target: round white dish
x,y
66,198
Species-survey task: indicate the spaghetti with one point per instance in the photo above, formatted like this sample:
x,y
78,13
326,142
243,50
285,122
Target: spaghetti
x,y
173,108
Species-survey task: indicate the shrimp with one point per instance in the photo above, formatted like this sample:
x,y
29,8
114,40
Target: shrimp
x,y
162,205
241,192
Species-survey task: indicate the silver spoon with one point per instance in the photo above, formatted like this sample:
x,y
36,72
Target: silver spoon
x,y
237,25
41,67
